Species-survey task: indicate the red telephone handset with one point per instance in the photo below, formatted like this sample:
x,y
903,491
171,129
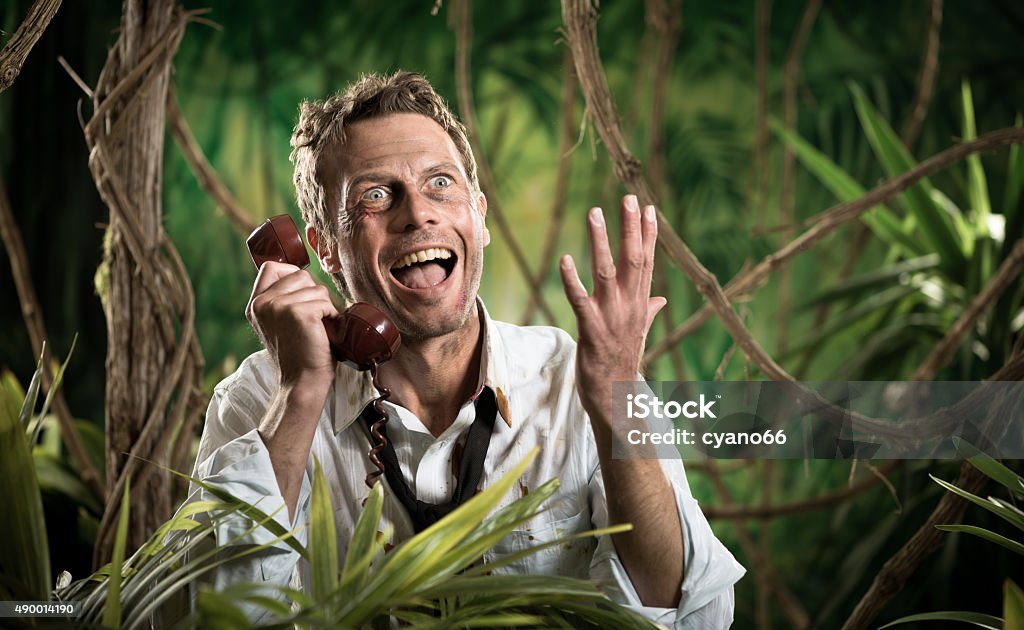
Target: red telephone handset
x,y
362,336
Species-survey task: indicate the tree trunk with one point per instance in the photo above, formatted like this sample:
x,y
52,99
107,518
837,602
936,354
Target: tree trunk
x,y
153,360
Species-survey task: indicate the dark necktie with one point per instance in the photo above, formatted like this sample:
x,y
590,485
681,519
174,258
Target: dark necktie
x,y
471,467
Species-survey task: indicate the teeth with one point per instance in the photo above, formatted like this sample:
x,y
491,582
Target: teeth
x,y
424,255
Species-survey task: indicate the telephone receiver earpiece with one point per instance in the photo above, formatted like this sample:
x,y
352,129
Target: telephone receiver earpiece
x,y
362,336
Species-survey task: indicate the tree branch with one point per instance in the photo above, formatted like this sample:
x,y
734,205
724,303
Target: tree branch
x,y
205,174
923,543
799,507
13,56
665,20
927,539
825,223
580,19
790,73
1008,272
762,24
762,569
925,76
32,312
463,35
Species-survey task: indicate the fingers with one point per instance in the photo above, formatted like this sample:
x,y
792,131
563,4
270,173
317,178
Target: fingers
x,y
575,292
650,237
602,264
271,272
631,247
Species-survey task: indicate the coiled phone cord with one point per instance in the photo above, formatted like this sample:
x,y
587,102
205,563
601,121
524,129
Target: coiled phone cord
x,y
380,442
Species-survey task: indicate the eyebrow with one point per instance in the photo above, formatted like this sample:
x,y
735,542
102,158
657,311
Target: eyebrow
x,y
380,176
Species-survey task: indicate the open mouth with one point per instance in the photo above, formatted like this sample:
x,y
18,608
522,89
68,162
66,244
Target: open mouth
x,y
425,268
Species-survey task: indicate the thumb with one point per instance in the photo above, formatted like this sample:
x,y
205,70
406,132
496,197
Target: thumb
x,y
654,306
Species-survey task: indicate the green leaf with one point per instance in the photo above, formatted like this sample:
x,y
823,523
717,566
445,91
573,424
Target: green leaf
x,y
251,511
323,539
869,282
882,221
993,469
976,619
219,612
977,186
24,554
997,507
1013,606
112,611
1003,541
54,476
364,544
936,226
423,557
58,378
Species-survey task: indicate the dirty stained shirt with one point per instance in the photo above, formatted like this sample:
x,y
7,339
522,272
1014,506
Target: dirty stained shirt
x,y
531,370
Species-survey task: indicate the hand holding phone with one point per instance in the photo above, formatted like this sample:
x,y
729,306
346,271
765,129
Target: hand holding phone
x,y
360,337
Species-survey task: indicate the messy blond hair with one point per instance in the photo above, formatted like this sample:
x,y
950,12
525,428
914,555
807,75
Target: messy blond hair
x,y
321,130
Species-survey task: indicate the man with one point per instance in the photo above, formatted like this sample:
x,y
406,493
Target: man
x,y
387,185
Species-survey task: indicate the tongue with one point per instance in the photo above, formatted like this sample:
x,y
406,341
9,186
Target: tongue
x,y
420,275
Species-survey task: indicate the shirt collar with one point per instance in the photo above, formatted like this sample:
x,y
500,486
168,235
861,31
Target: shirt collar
x,y
354,389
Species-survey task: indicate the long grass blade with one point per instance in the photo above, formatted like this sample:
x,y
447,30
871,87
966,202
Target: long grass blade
x,y
323,539
935,225
364,544
24,554
1013,605
976,619
990,536
112,611
869,282
993,469
880,219
977,185
992,505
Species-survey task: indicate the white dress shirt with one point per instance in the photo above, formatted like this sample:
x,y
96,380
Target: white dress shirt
x,y
532,373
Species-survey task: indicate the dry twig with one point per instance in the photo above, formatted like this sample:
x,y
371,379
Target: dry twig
x,y
33,315
1008,272
205,174
922,544
798,507
762,24
927,539
13,55
790,73
664,20
580,18
925,76
762,569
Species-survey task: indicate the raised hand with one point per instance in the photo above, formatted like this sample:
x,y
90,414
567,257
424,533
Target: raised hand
x,y
613,325
613,322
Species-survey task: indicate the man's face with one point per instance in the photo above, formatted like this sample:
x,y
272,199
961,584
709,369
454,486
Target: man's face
x,y
411,229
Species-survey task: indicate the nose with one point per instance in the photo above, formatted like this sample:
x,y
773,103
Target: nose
x,y
414,212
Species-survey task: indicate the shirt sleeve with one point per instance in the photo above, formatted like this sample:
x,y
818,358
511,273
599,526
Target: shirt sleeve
x,y
233,458
706,597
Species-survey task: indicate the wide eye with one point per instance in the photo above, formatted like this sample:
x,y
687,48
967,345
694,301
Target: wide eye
x,y
375,194
440,181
